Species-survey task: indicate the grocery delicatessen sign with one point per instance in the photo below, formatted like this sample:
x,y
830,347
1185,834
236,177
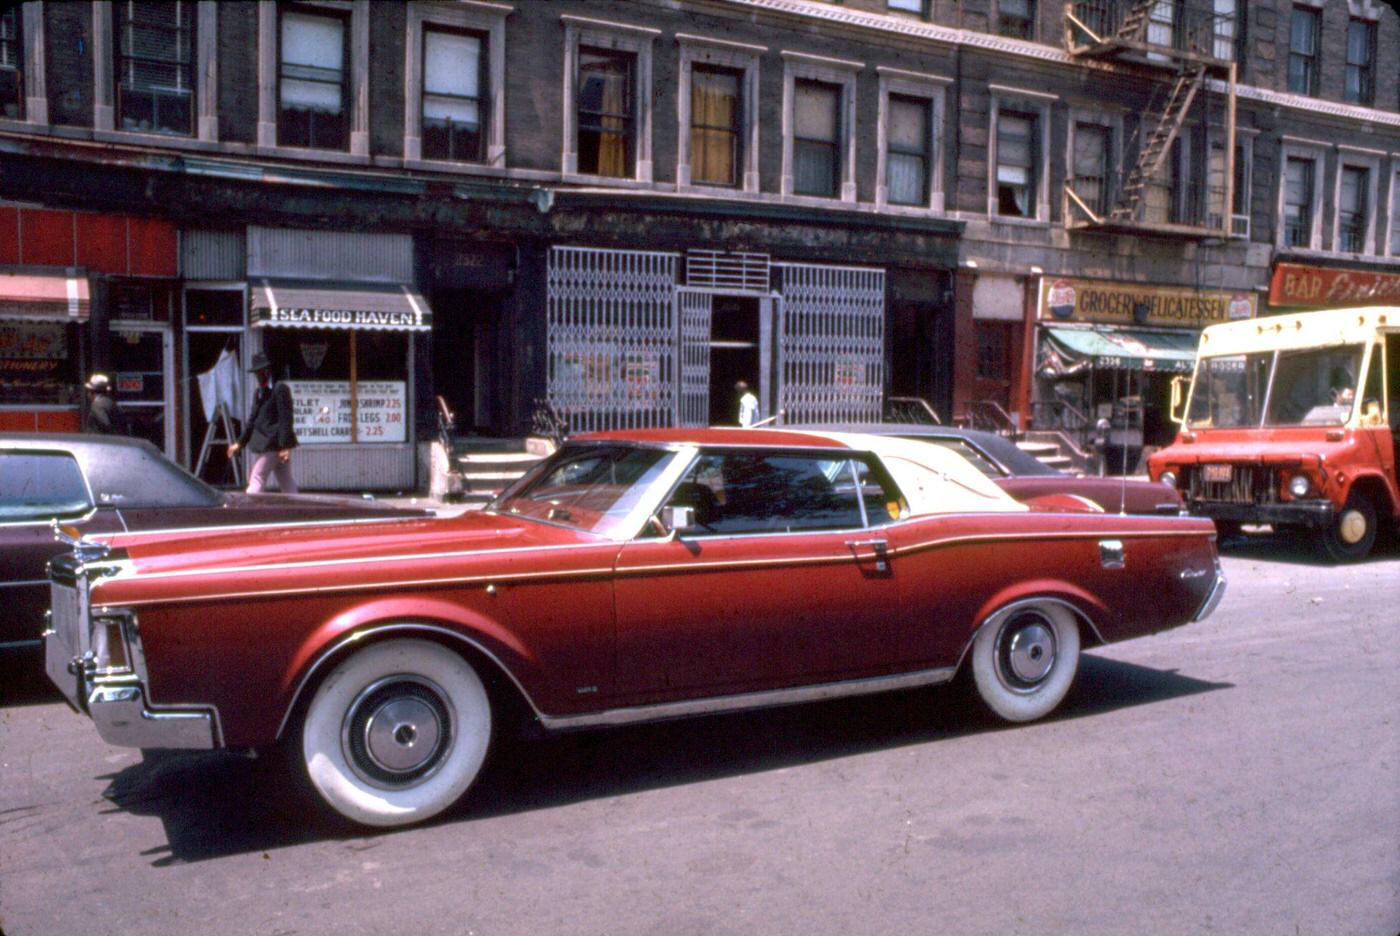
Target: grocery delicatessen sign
x,y
1298,286
321,411
1075,300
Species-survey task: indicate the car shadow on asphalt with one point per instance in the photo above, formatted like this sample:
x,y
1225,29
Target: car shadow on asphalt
x,y
1297,548
23,680
215,804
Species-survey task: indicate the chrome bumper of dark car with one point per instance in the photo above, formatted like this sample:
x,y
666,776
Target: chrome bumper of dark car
x,y
116,701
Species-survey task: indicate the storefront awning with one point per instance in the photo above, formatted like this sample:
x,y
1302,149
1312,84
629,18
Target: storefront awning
x,y
1121,349
61,296
352,306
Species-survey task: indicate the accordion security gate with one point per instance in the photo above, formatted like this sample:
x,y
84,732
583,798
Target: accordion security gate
x,y
630,348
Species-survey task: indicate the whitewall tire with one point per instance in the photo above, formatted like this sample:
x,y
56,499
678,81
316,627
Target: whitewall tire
x,y
1024,659
396,733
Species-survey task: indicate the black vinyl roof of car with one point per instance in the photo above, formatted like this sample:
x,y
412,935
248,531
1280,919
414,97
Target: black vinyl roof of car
x,y
998,448
122,471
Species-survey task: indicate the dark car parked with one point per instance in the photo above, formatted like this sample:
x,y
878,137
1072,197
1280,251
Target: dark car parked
x,y
1026,477
102,485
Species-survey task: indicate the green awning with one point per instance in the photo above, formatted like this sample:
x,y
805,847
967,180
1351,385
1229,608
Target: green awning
x,y
1066,350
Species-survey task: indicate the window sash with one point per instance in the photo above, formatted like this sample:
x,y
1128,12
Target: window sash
x,y
907,157
1016,18
1298,202
815,168
1226,28
1091,162
1015,171
816,111
1395,214
1352,199
1361,46
1302,51
919,7
454,105
154,67
11,64
312,90
605,95
716,121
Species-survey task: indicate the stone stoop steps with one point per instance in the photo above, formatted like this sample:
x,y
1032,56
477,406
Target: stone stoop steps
x,y
1048,452
479,468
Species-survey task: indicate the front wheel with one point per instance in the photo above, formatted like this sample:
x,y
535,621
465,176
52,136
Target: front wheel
x,y
1352,532
1024,659
396,733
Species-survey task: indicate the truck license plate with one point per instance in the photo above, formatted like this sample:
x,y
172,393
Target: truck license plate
x,y
1216,472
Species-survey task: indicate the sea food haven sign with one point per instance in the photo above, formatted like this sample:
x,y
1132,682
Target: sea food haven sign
x,y
341,318
1074,300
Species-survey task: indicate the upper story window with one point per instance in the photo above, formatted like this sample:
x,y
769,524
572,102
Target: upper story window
x,y
816,139
1360,86
1353,209
311,81
917,7
1092,151
1016,18
1298,190
454,102
154,61
606,127
11,64
1395,213
1302,50
1016,179
1226,29
907,159
716,122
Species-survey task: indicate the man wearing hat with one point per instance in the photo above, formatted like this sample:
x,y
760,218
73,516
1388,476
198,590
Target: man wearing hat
x,y
268,433
102,408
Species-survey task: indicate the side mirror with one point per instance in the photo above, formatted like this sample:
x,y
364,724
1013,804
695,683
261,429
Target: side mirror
x,y
1178,397
678,519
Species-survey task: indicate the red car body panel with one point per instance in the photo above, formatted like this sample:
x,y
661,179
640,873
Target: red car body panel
x,y
1113,495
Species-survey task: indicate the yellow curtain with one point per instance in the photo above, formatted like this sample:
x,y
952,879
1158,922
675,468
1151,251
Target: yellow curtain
x,y
711,150
612,147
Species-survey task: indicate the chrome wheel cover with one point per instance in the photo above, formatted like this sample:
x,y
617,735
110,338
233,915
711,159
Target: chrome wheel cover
x,y
1025,651
398,731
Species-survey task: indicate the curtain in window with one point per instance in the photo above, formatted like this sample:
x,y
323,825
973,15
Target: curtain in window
x,y
451,78
612,147
313,60
1226,28
1014,163
906,160
815,143
714,113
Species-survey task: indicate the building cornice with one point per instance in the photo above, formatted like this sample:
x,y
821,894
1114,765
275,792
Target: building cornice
x,y
947,35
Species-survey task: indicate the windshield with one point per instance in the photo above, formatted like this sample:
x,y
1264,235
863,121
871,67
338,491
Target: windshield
x,y
1312,387
1229,391
1316,387
594,488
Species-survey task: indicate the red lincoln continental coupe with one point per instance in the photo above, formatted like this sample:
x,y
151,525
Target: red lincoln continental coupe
x,y
631,577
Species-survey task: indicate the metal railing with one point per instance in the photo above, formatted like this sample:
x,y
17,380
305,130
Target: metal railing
x,y
1061,416
914,410
989,416
1193,28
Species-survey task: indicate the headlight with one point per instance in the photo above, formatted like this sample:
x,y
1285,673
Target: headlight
x,y
109,653
1168,478
1299,485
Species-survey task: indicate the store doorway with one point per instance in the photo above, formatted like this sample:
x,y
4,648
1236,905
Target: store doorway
x,y
142,373
467,358
735,354
213,325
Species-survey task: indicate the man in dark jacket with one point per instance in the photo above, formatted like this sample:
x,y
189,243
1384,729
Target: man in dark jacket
x,y
268,433
102,409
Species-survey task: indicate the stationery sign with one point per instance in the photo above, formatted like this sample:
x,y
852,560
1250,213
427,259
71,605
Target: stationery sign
x,y
321,411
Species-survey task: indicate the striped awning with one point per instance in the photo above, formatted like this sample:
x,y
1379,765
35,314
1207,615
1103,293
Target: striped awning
x,y
60,296
348,306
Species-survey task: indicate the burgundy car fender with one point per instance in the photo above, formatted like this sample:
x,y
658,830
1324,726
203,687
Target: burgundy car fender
x,y
373,620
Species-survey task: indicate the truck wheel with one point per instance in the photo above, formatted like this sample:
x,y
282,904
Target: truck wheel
x,y
396,733
1352,532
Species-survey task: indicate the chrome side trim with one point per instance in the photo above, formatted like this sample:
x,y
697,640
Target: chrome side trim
x,y
772,698
408,628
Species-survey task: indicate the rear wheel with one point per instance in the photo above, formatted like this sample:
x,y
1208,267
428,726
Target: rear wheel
x,y
1352,532
1024,659
396,733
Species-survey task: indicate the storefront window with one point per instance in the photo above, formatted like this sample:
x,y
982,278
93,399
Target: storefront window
x,y
319,365
39,363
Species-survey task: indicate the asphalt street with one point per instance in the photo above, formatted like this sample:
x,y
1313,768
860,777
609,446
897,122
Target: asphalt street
x,y
1238,776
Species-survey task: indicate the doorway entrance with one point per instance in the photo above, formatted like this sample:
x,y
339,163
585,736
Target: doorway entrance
x,y
736,345
142,371
469,358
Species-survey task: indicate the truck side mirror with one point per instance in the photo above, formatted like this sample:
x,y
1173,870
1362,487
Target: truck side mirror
x,y
1178,398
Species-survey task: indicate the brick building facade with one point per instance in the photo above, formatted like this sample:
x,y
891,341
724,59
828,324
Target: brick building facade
x,y
622,206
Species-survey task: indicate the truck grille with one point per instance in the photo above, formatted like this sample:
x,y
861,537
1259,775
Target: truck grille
x,y
1248,484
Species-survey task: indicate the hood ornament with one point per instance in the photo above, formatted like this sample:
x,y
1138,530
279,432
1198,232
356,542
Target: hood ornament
x,y
84,549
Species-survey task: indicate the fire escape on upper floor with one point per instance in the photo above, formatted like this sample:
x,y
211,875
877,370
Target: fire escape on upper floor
x,y
1173,173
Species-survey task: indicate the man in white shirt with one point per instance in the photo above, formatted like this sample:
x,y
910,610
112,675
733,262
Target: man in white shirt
x,y
748,404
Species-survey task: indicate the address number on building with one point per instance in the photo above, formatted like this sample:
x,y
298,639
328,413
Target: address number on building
x,y
321,411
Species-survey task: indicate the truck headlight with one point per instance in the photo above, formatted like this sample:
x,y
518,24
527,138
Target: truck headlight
x,y
1168,478
1299,485
109,651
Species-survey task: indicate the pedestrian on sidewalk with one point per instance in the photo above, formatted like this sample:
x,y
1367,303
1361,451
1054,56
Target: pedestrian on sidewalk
x,y
268,433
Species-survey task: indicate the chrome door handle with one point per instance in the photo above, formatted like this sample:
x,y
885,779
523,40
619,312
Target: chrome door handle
x,y
881,548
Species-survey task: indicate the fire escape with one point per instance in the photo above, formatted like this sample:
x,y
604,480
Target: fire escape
x,y
1187,53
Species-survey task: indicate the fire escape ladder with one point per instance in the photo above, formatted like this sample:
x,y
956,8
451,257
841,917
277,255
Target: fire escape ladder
x,y
1154,150
1134,23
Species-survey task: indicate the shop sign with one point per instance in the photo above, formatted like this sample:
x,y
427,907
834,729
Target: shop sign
x,y
1075,300
321,410
33,340
33,360
340,318
1295,285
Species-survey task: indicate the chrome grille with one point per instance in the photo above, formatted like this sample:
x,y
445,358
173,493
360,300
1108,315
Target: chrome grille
x,y
1248,484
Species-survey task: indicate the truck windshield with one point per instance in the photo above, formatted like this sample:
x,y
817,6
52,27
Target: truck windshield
x,y
1311,387
1229,391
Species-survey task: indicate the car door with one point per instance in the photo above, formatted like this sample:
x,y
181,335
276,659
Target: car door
x,y
782,579
37,487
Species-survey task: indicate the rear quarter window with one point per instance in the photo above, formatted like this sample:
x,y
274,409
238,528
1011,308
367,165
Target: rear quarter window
x,y
38,486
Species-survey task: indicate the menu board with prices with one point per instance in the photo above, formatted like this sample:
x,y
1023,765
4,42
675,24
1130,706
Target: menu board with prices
x,y
322,412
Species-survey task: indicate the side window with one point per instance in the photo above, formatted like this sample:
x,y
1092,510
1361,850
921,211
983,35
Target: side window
x,y
760,492
38,486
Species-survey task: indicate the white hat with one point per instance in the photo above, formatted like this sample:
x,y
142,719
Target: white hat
x,y
99,382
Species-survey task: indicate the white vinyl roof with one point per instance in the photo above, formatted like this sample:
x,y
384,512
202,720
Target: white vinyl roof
x,y
933,479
